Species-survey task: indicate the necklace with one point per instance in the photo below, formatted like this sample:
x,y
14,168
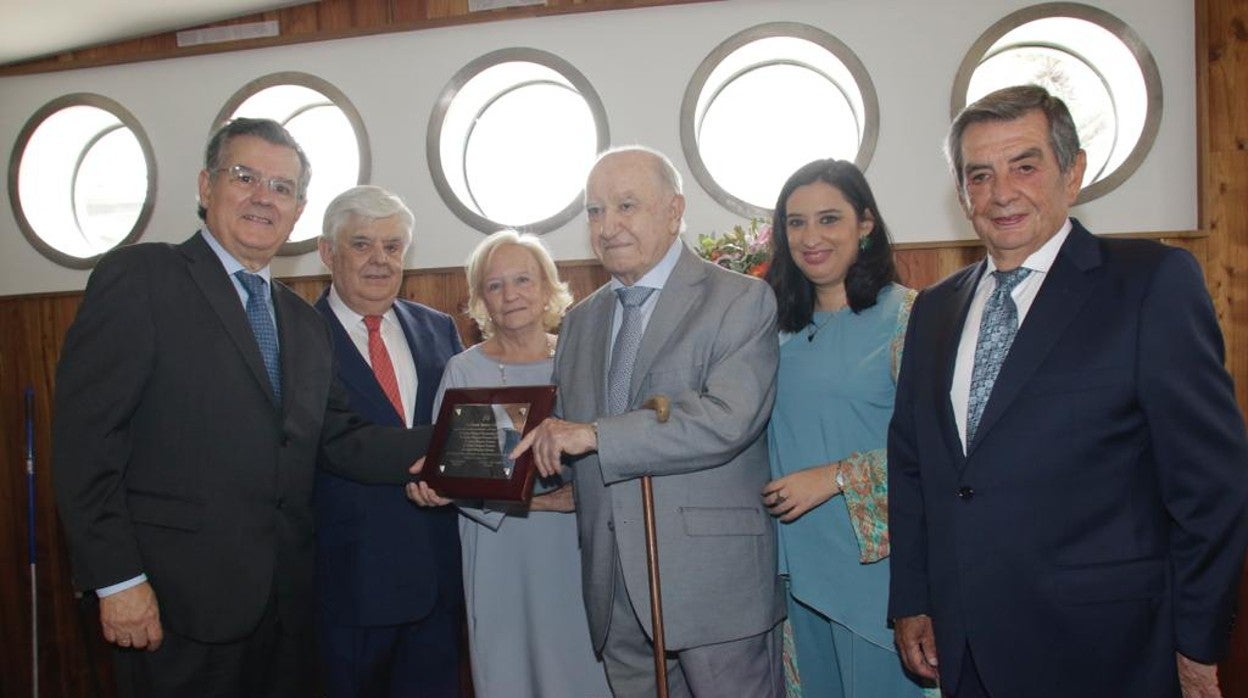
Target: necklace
x,y
550,351
810,336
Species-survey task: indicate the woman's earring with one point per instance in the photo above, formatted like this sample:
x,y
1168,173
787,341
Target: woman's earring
x,y
864,243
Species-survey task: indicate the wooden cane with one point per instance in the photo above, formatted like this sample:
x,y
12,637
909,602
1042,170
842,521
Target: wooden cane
x,y
662,410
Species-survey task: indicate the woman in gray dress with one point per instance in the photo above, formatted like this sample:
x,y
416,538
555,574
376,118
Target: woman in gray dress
x,y
522,579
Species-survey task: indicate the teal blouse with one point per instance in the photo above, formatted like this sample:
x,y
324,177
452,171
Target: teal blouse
x,y
834,399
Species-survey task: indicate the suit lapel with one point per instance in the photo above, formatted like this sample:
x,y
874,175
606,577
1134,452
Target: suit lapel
x,y
674,302
219,290
1067,286
600,314
428,375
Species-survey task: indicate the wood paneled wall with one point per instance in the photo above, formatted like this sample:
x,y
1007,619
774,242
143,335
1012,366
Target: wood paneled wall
x,y
32,329
318,21
1222,125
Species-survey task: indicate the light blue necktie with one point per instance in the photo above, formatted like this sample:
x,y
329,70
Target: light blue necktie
x,y
261,319
996,334
624,351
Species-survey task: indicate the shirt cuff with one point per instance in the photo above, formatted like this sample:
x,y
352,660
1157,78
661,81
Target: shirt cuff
x,y
120,586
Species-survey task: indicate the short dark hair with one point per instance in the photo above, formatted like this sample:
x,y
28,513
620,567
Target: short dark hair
x,y
867,275
1008,104
265,129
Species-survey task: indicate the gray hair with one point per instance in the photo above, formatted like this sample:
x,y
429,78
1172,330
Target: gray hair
x,y
264,129
560,297
664,169
368,202
1008,104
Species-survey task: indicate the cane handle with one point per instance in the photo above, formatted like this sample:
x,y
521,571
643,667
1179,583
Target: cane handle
x,y
661,405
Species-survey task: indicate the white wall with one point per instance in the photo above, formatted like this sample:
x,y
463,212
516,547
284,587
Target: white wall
x,y
640,62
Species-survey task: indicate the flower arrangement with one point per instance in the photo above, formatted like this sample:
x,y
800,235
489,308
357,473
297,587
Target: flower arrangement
x,y
744,249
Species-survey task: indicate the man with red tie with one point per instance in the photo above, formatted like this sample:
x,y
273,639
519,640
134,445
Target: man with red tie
x,y
388,572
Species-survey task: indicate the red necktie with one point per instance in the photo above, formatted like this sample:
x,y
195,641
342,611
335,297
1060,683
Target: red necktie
x,y
383,368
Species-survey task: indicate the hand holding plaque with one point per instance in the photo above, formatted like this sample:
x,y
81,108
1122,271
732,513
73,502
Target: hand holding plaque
x,y
476,430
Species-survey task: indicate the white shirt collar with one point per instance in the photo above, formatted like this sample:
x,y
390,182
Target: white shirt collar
x,y
231,264
349,317
1042,259
658,274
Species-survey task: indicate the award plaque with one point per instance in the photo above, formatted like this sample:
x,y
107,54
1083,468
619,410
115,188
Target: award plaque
x,y
476,429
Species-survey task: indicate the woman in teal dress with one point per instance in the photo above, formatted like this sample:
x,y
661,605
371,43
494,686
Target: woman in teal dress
x,y
842,317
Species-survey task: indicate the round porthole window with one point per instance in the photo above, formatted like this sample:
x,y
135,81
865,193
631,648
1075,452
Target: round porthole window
x,y
1094,62
328,128
82,179
512,138
741,147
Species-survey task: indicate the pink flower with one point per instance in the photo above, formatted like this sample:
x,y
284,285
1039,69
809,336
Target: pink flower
x,y
764,234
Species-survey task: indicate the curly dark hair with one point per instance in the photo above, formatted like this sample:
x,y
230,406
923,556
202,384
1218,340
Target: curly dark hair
x,y
871,271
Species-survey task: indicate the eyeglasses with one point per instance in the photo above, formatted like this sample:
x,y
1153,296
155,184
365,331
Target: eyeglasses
x,y
244,177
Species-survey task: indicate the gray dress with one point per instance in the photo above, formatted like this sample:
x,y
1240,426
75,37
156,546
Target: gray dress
x,y
522,578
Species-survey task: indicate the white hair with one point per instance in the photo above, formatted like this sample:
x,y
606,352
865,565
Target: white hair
x,y
368,202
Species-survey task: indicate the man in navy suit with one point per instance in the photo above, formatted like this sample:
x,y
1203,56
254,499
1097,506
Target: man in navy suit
x,y
388,572
1067,463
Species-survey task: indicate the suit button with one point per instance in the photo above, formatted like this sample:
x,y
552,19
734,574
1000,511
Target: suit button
x,y
965,493
285,441
610,525
281,503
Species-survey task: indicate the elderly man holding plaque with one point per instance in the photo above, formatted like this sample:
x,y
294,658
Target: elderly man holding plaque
x,y
703,337
387,573
520,560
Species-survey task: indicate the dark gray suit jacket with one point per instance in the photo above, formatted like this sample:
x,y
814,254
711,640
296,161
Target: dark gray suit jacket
x,y
170,457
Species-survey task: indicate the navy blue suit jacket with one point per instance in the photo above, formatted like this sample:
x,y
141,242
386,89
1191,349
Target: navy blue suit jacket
x,y
1095,526
380,559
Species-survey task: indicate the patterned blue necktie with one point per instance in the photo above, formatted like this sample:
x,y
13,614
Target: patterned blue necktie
x,y
996,333
262,326
624,351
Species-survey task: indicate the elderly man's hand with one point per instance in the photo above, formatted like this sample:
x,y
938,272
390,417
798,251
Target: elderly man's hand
x,y
916,643
553,438
131,618
1198,680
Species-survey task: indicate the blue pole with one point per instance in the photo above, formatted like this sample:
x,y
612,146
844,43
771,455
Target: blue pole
x,y
30,537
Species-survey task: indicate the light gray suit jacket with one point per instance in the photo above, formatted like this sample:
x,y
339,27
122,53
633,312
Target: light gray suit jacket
x,y
710,347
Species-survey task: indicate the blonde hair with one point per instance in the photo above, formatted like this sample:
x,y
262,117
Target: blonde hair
x,y
479,260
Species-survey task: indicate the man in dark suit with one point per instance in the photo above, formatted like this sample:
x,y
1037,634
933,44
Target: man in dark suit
x,y
1067,464
194,400
387,572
